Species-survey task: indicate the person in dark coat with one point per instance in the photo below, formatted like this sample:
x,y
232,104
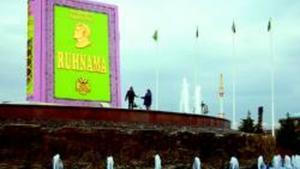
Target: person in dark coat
x,y
130,95
147,99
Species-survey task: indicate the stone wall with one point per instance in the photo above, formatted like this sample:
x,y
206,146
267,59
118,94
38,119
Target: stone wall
x,y
69,113
86,144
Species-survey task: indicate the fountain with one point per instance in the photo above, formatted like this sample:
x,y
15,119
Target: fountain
x,y
198,100
296,161
57,162
287,162
221,96
157,162
234,163
110,163
260,163
277,162
197,163
184,100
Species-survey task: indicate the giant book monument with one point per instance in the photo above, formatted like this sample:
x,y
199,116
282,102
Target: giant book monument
x,y
73,53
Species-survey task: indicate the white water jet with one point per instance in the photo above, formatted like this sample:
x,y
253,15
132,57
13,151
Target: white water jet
x,y
157,162
184,100
110,163
260,163
57,162
197,163
296,161
277,162
198,100
234,163
287,162
221,96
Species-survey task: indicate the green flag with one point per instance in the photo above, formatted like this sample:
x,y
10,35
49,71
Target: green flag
x,y
155,35
269,25
233,27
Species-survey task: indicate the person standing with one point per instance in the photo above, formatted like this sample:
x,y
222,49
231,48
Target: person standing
x,y
130,95
147,99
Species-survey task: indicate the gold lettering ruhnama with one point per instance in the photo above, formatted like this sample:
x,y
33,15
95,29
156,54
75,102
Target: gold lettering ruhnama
x,y
80,62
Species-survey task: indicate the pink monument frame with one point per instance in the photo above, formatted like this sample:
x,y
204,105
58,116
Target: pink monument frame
x,y
42,11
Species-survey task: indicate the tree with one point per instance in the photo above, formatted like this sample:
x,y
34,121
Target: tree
x,y
286,135
247,125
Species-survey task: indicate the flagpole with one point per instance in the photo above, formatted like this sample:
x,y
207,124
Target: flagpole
x,y
195,84
156,86
196,104
234,79
272,77
156,80
234,85
155,38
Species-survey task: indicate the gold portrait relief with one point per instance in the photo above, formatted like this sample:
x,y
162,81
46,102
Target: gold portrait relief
x,y
82,35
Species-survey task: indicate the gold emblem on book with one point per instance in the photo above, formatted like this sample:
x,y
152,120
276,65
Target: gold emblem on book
x,y
82,35
83,86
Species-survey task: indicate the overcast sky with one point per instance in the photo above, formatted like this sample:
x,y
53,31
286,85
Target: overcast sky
x,y
178,52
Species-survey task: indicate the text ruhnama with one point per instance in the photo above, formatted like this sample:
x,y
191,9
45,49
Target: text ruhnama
x,y
80,62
